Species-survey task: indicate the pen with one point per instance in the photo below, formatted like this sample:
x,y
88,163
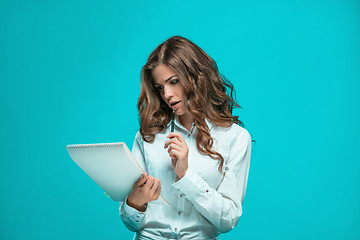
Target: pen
x,y
172,121
172,130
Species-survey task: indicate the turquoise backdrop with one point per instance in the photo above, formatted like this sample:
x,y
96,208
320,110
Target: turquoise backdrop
x,y
69,74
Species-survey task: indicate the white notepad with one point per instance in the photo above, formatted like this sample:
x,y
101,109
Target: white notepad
x,y
111,165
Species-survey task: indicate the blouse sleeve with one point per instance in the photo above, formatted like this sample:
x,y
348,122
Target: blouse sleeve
x,y
222,206
132,218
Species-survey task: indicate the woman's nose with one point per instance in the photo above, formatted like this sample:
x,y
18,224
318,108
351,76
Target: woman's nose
x,y
168,92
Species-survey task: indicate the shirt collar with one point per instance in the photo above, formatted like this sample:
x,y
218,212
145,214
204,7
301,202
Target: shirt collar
x,y
180,126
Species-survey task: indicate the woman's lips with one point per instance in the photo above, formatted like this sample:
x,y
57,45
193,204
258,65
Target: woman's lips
x,y
175,106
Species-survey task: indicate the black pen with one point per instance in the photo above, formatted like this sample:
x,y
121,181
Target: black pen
x,y
172,122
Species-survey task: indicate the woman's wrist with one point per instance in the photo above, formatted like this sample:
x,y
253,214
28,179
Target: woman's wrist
x,y
182,174
139,207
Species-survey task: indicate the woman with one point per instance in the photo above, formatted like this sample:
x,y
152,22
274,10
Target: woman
x,y
202,167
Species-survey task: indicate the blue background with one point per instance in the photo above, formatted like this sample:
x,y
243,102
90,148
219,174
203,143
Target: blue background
x,y
69,74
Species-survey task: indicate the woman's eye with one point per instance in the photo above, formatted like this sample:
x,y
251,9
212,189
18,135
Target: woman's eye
x,y
159,88
175,81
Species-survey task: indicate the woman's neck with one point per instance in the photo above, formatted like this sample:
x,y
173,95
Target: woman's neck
x,y
186,120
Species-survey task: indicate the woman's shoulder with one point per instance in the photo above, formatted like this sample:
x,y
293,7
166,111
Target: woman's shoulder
x,y
239,129
233,128
234,131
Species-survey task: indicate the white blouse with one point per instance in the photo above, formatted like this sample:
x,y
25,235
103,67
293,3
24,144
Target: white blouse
x,y
204,203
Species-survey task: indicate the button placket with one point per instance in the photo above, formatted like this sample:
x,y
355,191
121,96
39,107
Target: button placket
x,y
179,212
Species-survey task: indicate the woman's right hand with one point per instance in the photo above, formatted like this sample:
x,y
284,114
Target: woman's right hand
x,y
144,190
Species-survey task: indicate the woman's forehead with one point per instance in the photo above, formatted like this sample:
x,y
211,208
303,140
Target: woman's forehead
x,y
162,74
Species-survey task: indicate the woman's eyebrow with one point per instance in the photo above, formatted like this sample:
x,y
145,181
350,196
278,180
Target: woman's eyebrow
x,y
170,78
166,79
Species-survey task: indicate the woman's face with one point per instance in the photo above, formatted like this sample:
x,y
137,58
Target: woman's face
x,y
167,82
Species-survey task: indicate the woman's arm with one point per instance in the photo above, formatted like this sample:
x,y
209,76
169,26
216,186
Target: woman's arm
x,y
222,206
132,218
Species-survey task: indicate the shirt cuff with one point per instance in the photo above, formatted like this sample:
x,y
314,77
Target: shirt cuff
x,y
192,185
131,213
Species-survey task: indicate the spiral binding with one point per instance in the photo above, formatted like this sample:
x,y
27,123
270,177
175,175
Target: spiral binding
x,y
94,145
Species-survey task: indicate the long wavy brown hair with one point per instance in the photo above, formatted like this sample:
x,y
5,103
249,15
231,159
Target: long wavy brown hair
x,y
208,94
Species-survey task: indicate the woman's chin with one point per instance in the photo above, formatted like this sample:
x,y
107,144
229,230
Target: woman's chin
x,y
181,112
177,112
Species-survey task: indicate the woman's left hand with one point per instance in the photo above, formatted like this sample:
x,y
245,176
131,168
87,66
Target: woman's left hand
x,y
178,151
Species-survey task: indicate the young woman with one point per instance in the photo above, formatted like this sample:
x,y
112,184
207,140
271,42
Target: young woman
x,y
202,167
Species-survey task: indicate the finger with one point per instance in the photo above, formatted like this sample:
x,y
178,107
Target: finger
x,y
174,154
173,140
173,146
149,183
176,135
156,185
158,192
141,180
167,143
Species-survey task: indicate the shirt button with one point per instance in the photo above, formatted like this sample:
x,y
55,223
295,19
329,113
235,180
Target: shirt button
x,y
207,190
179,212
175,229
181,195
